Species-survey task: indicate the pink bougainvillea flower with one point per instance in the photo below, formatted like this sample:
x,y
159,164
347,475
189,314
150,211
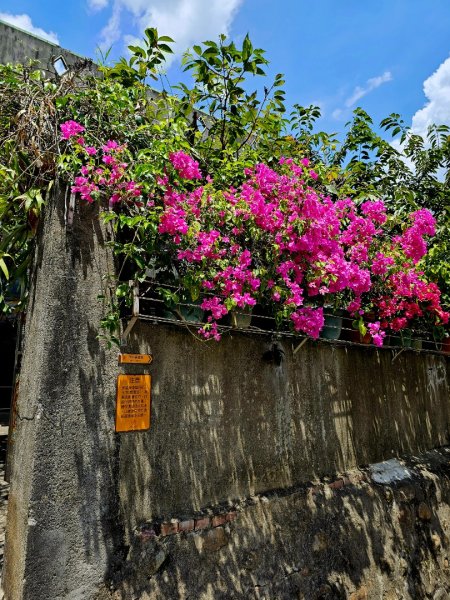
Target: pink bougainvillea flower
x,y
185,165
70,129
274,240
210,330
375,210
309,320
110,146
376,333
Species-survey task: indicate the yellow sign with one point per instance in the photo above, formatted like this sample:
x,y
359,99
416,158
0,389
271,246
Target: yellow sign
x,y
133,402
135,359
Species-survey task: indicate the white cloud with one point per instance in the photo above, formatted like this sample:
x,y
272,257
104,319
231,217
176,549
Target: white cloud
x,y
98,4
336,114
186,21
111,32
24,22
437,107
371,84
435,111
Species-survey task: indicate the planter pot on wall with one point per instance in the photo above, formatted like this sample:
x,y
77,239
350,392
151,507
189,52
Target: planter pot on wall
x,y
333,325
416,343
444,346
241,319
358,338
405,339
191,313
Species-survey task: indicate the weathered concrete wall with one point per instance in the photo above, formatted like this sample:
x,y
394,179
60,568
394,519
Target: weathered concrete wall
x,y
17,46
62,519
226,423
350,539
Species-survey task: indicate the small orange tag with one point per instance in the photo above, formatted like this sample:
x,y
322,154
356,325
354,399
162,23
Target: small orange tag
x,y
135,359
133,402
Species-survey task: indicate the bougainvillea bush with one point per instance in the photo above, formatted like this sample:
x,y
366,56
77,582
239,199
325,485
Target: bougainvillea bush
x,y
226,198
276,240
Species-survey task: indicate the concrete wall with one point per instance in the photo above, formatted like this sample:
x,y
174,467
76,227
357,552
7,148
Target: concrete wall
x,y
226,424
18,46
62,525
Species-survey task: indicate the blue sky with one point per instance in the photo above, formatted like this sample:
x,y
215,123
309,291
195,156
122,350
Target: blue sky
x,y
378,54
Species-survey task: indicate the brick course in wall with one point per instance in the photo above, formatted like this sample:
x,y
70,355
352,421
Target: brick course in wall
x,y
218,518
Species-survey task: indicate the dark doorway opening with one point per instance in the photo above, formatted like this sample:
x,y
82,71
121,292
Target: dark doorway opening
x,y
8,336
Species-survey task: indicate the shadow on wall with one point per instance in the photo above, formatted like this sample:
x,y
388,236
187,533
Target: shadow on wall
x,y
360,541
226,423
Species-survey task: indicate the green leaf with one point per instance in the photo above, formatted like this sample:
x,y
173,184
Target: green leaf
x,y
165,48
4,268
137,50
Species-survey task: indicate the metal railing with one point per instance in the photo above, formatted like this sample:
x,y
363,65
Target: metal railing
x,y
148,305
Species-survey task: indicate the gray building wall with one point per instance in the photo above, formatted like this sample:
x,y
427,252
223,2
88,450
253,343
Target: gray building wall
x,y
18,46
63,511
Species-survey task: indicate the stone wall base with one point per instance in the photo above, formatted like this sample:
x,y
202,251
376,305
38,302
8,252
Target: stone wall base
x,y
346,538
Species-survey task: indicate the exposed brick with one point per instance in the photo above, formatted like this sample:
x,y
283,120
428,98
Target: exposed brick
x,y
336,485
202,523
169,528
186,526
147,534
218,520
215,539
231,516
